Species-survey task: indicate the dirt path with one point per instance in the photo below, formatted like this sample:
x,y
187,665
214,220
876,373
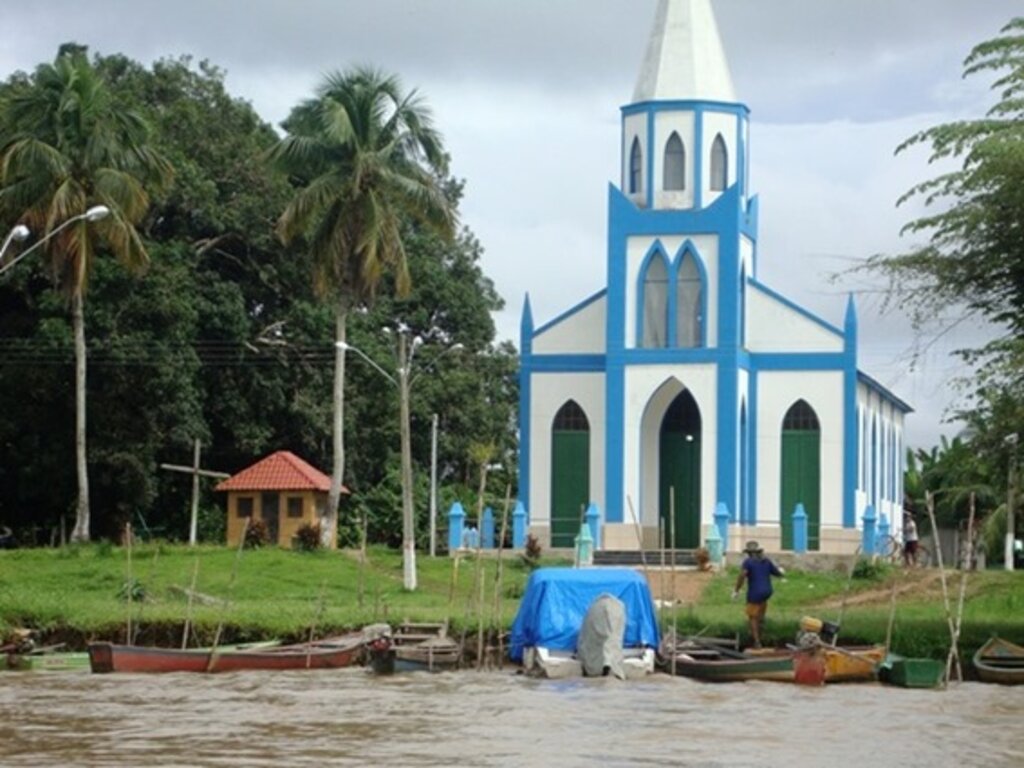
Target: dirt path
x,y
917,585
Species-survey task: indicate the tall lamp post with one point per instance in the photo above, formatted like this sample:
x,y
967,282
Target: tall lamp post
x,y
406,352
21,232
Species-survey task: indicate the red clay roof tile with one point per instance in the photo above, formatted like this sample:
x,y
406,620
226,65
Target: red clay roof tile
x,y
281,471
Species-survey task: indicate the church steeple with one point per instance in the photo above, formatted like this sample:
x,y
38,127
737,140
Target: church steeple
x,y
685,59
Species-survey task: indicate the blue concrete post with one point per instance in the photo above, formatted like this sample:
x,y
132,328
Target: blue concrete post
x,y
713,544
593,518
584,547
800,530
471,538
722,524
868,543
519,526
456,521
487,529
883,534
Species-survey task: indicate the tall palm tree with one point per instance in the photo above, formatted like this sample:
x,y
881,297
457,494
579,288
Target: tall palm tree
x,y
65,146
366,159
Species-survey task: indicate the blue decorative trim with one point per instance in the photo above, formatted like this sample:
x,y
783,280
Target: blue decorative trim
x,y
685,105
567,364
754,453
620,211
850,417
650,161
525,398
799,361
744,475
570,312
698,158
795,307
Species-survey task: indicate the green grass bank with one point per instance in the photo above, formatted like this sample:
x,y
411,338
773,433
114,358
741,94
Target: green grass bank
x,y
77,594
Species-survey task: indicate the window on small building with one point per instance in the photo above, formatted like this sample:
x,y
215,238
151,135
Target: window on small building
x,y
243,505
294,506
636,162
675,164
719,165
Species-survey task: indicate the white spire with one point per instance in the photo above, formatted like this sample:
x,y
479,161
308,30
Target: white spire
x,y
685,59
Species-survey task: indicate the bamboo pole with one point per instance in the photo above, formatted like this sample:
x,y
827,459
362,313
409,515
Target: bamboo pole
x,y
498,576
480,616
316,620
954,648
230,590
639,538
129,585
188,607
672,544
930,506
362,557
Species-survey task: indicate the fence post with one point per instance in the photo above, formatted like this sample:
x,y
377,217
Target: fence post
x,y
868,543
800,530
487,529
519,526
883,534
593,517
456,520
722,523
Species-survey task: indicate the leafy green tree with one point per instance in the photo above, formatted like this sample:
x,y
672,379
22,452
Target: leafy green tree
x,y
365,158
65,146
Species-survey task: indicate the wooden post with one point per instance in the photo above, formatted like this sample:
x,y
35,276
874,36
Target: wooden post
x,y
188,607
954,648
498,576
227,605
196,473
930,506
672,550
128,549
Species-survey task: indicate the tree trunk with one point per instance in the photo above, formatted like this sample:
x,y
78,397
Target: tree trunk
x,y
408,513
81,530
329,524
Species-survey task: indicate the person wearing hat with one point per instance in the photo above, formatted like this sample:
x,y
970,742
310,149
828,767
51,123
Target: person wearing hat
x,y
757,570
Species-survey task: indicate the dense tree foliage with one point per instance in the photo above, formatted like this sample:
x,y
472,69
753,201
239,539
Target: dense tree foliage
x,y
222,339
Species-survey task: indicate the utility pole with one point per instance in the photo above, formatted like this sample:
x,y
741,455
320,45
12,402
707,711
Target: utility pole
x,y
408,520
433,487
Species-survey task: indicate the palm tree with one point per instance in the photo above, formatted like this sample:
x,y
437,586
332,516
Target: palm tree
x,y
366,160
65,146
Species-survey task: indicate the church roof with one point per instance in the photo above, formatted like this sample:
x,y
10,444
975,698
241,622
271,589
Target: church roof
x,y
685,59
281,471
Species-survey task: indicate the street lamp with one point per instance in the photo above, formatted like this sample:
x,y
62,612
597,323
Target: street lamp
x,y
406,352
20,232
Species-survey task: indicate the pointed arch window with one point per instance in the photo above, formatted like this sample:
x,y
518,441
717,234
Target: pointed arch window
x,y
689,304
801,418
719,164
655,333
636,161
571,418
675,164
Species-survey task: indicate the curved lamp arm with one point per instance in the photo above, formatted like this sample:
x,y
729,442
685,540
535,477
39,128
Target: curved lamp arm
x,y
95,213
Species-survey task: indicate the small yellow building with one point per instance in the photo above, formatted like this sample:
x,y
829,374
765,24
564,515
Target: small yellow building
x,y
283,491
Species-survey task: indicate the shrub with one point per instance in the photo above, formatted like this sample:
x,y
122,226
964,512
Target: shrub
x,y
256,535
132,591
703,558
531,552
307,538
867,569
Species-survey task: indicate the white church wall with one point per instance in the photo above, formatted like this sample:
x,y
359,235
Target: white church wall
x,y
550,391
716,123
880,482
664,124
747,255
635,127
777,392
649,392
637,249
582,332
775,326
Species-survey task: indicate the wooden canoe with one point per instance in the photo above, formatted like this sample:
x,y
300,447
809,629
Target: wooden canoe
x,y
329,653
1000,661
715,668
852,663
48,662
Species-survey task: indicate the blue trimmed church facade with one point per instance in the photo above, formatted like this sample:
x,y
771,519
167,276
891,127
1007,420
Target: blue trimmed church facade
x,y
688,392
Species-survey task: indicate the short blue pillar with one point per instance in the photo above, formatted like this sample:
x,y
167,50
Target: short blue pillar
x,y
883,534
593,518
722,524
800,530
471,538
519,526
713,544
584,547
487,529
867,545
456,521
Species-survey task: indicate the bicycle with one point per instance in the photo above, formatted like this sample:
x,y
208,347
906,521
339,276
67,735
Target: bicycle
x,y
891,551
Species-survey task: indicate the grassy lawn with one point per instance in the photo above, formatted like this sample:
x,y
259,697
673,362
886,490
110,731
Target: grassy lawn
x,y
79,593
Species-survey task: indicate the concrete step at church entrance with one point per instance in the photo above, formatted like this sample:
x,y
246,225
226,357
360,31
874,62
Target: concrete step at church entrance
x,y
653,557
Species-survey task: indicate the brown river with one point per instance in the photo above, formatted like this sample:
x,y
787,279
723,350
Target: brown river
x,y
347,717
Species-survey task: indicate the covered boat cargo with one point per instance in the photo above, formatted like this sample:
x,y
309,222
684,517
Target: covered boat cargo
x,y
557,599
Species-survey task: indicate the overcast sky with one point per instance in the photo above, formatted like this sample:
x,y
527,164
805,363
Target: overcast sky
x,y
527,94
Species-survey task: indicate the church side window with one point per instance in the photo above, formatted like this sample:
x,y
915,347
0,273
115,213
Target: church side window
x,y
675,164
719,164
635,165
688,304
655,333
571,418
801,418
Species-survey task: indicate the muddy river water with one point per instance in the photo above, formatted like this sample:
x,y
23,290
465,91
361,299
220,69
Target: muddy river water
x,y
347,717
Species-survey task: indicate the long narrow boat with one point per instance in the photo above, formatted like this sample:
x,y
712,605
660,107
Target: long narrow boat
x,y
329,653
719,668
1000,661
61,661
845,664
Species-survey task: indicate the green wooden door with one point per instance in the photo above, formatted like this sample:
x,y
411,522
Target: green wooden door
x,y
570,484
801,484
680,471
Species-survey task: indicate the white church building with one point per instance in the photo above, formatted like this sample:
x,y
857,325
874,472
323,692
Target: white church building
x,y
688,386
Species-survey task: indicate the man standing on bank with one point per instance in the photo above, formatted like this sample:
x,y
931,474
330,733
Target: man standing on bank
x,y
757,570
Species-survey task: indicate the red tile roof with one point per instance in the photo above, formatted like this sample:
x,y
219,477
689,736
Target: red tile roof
x,y
281,471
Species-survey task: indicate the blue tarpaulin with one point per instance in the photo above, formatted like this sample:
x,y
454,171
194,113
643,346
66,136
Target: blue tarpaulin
x,y
557,599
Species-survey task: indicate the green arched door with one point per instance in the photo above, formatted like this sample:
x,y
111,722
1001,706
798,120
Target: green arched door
x,y
679,456
801,473
570,473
